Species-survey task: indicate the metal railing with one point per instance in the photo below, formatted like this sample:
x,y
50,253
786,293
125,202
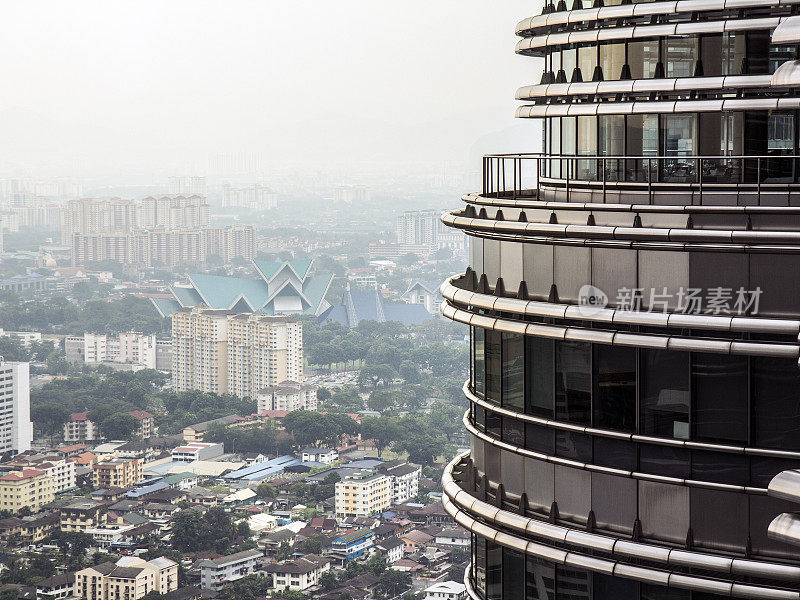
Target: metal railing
x,y
526,175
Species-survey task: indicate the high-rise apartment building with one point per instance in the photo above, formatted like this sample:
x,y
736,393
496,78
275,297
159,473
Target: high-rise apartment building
x,y
255,197
238,353
174,211
194,184
97,215
363,494
634,387
16,428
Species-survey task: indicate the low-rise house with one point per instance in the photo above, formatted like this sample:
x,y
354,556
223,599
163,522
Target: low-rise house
x,y
56,587
415,539
272,541
130,578
197,451
324,456
106,536
219,571
195,433
407,565
80,428
82,515
146,421
117,472
392,549
300,574
446,590
36,529
351,546
453,537
60,471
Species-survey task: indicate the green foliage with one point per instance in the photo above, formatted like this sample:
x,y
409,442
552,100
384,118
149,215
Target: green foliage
x,y
383,431
247,588
312,428
261,438
393,583
194,531
119,426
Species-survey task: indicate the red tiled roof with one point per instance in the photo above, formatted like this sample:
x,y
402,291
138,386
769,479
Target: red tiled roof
x,y
81,416
20,475
141,414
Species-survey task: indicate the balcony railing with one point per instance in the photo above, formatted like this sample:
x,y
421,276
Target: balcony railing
x,y
754,178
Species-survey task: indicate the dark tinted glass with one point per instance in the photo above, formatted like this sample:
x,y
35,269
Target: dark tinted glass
x,y
652,592
513,431
513,571
494,424
573,382
764,468
513,371
540,580
573,584
493,365
620,454
669,461
539,358
577,446
494,571
480,566
615,387
720,397
776,403
720,467
478,362
665,394
539,438
606,586
480,416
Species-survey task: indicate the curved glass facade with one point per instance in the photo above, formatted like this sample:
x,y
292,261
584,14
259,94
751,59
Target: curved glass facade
x,y
634,391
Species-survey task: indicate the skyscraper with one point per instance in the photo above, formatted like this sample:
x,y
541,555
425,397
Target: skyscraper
x,y
634,387
16,428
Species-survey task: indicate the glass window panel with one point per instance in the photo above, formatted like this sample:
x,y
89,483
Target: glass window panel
x,y
678,138
764,468
607,586
573,584
681,55
480,417
720,397
720,467
653,592
758,44
478,363
480,565
587,61
539,438
555,145
734,53
513,575
573,382
619,454
539,373
493,365
643,56
711,53
587,146
540,579
664,460
494,571
494,424
612,59
569,62
555,61
642,140
514,431
776,403
611,142
665,394
514,371
780,133
615,387
779,55
570,444
568,135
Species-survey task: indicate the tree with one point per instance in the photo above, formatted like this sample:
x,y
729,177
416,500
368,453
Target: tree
x,y
381,400
153,595
408,259
328,581
381,430
393,583
119,426
409,371
193,531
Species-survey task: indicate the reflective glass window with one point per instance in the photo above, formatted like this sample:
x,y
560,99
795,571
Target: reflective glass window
x,y
720,398
670,461
587,146
569,62
494,571
776,403
493,365
540,579
539,438
758,55
514,371
711,54
654,592
681,55
642,140
573,584
664,403
643,57
734,53
611,452
480,565
679,138
615,387
612,60
574,445
720,467
781,133
494,424
478,363
539,373
611,142
573,382
514,431
555,145
513,575
587,61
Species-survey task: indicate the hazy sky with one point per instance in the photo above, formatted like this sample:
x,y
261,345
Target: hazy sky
x,y
144,88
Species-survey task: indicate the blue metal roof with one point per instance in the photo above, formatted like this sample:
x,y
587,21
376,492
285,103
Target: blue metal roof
x,y
223,292
264,469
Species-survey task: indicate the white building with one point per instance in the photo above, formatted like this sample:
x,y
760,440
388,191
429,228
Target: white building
x,y
105,535
323,456
459,538
362,495
88,348
255,197
80,428
197,451
404,481
288,396
425,293
128,348
215,573
446,590
16,428
392,549
60,471
300,574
